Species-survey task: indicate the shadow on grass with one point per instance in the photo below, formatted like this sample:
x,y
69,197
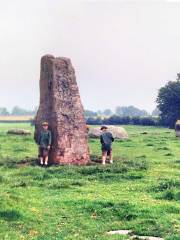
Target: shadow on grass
x,y
1,179
16,163
150,145
168,154
170,195
105,209
167,189
166,184
10,215
163,148
65,184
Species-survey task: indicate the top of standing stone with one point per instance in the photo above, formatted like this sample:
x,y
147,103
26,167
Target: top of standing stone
x,y
51,57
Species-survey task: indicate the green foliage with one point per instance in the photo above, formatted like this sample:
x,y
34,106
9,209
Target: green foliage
x,y
155,112
107,112
3,111
168,103
88,113
17,111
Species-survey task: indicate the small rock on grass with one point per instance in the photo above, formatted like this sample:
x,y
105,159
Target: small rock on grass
x,y
135,237
145,238
19,132
122,232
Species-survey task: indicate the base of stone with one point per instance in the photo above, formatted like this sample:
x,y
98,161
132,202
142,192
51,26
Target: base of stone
x,y
75,162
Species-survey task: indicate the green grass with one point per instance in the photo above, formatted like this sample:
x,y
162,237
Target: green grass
x,y
139,192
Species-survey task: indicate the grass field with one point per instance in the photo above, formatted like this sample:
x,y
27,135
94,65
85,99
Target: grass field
x,y
139,192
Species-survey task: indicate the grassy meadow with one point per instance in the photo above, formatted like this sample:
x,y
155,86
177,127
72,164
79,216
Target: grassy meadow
x,y
139,192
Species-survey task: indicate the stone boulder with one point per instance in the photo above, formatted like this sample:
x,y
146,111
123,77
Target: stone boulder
x,y
19,132
117,132
60,105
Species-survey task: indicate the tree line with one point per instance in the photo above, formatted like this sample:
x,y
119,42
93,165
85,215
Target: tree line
x,y
130,111
166,113
118,120
122,111
17,111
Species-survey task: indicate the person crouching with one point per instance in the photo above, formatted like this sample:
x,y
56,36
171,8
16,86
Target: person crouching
x,y
106,139
44,142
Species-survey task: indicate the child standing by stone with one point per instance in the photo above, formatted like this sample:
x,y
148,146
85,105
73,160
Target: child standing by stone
x,y
106,140
44,141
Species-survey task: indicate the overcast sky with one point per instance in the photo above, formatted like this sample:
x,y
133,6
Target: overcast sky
x,y
122,51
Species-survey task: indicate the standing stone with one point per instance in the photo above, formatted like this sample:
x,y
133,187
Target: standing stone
x,y
61,106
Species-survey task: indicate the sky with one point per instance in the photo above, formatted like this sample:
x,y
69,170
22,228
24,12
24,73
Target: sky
x,y
122,51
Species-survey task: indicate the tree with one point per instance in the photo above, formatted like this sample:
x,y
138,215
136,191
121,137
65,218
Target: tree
x,y
94,121
99,113
107,112
3,111
89,114
168,101
17,111
156,112
130,111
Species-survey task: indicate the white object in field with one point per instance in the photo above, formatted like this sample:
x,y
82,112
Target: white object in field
x,y
117,132
121,232
129,232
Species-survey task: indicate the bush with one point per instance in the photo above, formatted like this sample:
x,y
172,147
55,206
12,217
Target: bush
x,y
116,120
147,121
94,121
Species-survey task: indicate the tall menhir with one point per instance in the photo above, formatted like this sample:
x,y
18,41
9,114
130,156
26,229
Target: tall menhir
x,y
61,106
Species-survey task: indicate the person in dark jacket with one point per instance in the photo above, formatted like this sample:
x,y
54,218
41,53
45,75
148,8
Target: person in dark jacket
x,y
44,141
106,140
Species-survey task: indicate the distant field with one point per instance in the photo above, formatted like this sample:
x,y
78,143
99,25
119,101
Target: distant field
x,y
139,192
16,118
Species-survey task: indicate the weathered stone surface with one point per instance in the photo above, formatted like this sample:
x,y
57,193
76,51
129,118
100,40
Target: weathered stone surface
x,y
19,132
61,106
117,132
